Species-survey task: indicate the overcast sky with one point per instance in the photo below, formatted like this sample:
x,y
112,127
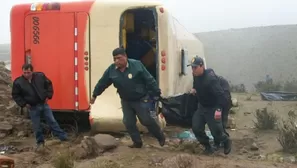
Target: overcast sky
x,y
204,15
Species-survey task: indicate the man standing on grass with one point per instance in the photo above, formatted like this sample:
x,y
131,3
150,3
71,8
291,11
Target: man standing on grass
x,y
32,90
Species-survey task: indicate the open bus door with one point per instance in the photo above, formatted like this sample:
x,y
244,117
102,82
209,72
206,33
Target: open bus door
x,y
51,46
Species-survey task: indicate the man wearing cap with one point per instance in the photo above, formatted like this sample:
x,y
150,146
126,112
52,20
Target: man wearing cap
x,y
211,99
135,85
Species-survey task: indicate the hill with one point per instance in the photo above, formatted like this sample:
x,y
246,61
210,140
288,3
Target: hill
x,y
244,55
248,55
4,52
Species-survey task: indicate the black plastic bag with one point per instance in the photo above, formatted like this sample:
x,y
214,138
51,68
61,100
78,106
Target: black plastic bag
x,y
179,110
278,96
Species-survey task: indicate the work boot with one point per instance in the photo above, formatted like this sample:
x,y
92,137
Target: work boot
x,y
225,131
217,146
136,145
227,146
162,140
64,139
208,149
40,147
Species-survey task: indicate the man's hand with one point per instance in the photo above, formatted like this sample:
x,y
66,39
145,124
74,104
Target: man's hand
x,y
193,91
28,106
218,114
157,98
92,101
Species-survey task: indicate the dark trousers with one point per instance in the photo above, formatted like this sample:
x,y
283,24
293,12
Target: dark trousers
x,y
44,110
205,115
225,114
141,109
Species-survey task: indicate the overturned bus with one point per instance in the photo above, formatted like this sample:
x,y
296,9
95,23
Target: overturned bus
x,y
71,42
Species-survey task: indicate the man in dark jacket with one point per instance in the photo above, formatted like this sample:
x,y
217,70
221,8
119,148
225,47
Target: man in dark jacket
x,y
135,85
211,100
32,90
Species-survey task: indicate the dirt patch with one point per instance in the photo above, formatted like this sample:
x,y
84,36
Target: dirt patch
x,y
252,148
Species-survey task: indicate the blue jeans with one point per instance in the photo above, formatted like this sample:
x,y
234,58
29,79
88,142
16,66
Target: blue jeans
x,y
44,110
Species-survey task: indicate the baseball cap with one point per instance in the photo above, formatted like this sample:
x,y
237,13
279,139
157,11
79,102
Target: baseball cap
x,y
196,61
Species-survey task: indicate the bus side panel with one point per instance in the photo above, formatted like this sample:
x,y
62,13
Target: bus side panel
x,y
27,40
193,47
17,29
52,52
82,20
163,46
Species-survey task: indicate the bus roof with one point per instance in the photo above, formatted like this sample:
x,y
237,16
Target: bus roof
x,y
132,2
113,2
76,5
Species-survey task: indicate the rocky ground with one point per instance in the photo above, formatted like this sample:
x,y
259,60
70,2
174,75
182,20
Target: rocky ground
x,y
11,122
252,148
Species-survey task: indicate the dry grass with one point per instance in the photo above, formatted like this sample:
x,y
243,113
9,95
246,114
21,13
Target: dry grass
x,y
265,120
64,160
234,110
106,163
292,114
287,136
248,98
290,86
188,147
266,86
240,88
180,161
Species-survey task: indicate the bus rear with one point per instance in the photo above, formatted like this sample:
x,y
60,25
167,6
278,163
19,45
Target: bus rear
x,y
54,38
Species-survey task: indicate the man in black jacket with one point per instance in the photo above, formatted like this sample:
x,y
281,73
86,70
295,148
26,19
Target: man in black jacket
x,y
211,100
32,90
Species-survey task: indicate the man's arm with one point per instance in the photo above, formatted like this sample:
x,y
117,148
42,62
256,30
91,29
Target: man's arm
x,y
193,90
103,83
150,81
17,94
49,87
217,90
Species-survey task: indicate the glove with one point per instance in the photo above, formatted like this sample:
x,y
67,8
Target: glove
x,y
157,98
193,91
218,114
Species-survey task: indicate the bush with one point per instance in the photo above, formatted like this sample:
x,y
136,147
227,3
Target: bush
x,y
265,120
181,161
292,114
240,88
234,110
265,86
248,98
287,135
106,163
189,147
64,160
290,86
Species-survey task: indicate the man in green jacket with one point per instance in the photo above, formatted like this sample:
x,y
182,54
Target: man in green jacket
x,y
134,85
